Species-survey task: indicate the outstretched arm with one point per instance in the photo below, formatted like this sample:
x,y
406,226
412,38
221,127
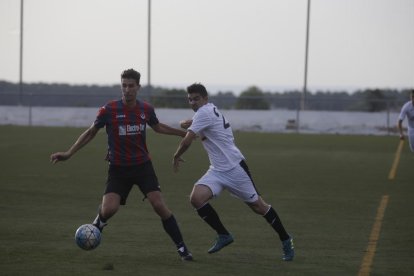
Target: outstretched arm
x,y
166,129
83,139
182,147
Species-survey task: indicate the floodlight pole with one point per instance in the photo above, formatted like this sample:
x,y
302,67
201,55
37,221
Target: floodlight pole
x,y
149,45
305,82
21,55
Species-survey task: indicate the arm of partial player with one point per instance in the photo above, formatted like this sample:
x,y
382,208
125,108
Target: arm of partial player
x,y
166,129
183,147
82,140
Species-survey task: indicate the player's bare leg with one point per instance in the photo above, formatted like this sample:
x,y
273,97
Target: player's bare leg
x,y
157,202
109,207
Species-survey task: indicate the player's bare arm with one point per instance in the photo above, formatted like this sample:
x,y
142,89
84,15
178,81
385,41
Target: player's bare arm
x,y
83,139
183,147
166,129
186,123
400,128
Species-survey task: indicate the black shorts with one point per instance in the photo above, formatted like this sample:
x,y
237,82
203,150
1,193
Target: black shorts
x,y
121,179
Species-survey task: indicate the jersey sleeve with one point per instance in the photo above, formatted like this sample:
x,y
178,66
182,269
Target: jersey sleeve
x,y
152,120
201,120
101,117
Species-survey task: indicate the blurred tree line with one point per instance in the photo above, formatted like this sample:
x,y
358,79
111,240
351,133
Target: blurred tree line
x,y
43,94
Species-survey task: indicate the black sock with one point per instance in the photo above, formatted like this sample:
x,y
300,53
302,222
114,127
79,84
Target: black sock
x,y
99,222
274,220
171,227
209,215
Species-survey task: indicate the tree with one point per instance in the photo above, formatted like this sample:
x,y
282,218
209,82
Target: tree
x,y
375,100
252,98
224,100
171,98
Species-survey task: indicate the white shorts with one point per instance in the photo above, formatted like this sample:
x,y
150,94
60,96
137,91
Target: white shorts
x,y
237,181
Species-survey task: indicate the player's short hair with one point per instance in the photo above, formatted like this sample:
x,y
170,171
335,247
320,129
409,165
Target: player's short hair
x,y
131,74
197,88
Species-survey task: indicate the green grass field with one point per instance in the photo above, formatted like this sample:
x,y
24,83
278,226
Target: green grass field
x,y
326,189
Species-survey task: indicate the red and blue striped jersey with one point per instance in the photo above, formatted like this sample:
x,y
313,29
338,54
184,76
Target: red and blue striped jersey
x,y
126,130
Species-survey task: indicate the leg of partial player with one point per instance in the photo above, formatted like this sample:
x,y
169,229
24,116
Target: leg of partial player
x,y
108,208
169,224
100,221
267,211
199,199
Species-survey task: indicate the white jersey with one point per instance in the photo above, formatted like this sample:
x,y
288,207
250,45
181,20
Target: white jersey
x,y
408,111
217,137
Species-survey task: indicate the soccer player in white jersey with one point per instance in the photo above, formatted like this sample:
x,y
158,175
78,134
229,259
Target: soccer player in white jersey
x,y
228,170
408,111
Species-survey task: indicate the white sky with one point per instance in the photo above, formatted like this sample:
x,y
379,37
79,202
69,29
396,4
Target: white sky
x,y
225,44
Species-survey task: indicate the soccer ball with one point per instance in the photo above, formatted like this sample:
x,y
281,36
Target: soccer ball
x,y
88,237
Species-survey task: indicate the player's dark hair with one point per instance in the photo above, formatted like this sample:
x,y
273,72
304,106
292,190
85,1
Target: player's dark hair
x,y
197,88
131,74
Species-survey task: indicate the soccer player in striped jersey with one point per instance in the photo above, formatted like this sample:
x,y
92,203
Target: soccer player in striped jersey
x,y
228,170
125,121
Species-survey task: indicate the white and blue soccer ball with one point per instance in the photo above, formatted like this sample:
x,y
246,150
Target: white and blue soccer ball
x,y
88,237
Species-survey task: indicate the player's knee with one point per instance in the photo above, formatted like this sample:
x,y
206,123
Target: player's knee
x,y
196,201
158,204
193,201
200,195
259,207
